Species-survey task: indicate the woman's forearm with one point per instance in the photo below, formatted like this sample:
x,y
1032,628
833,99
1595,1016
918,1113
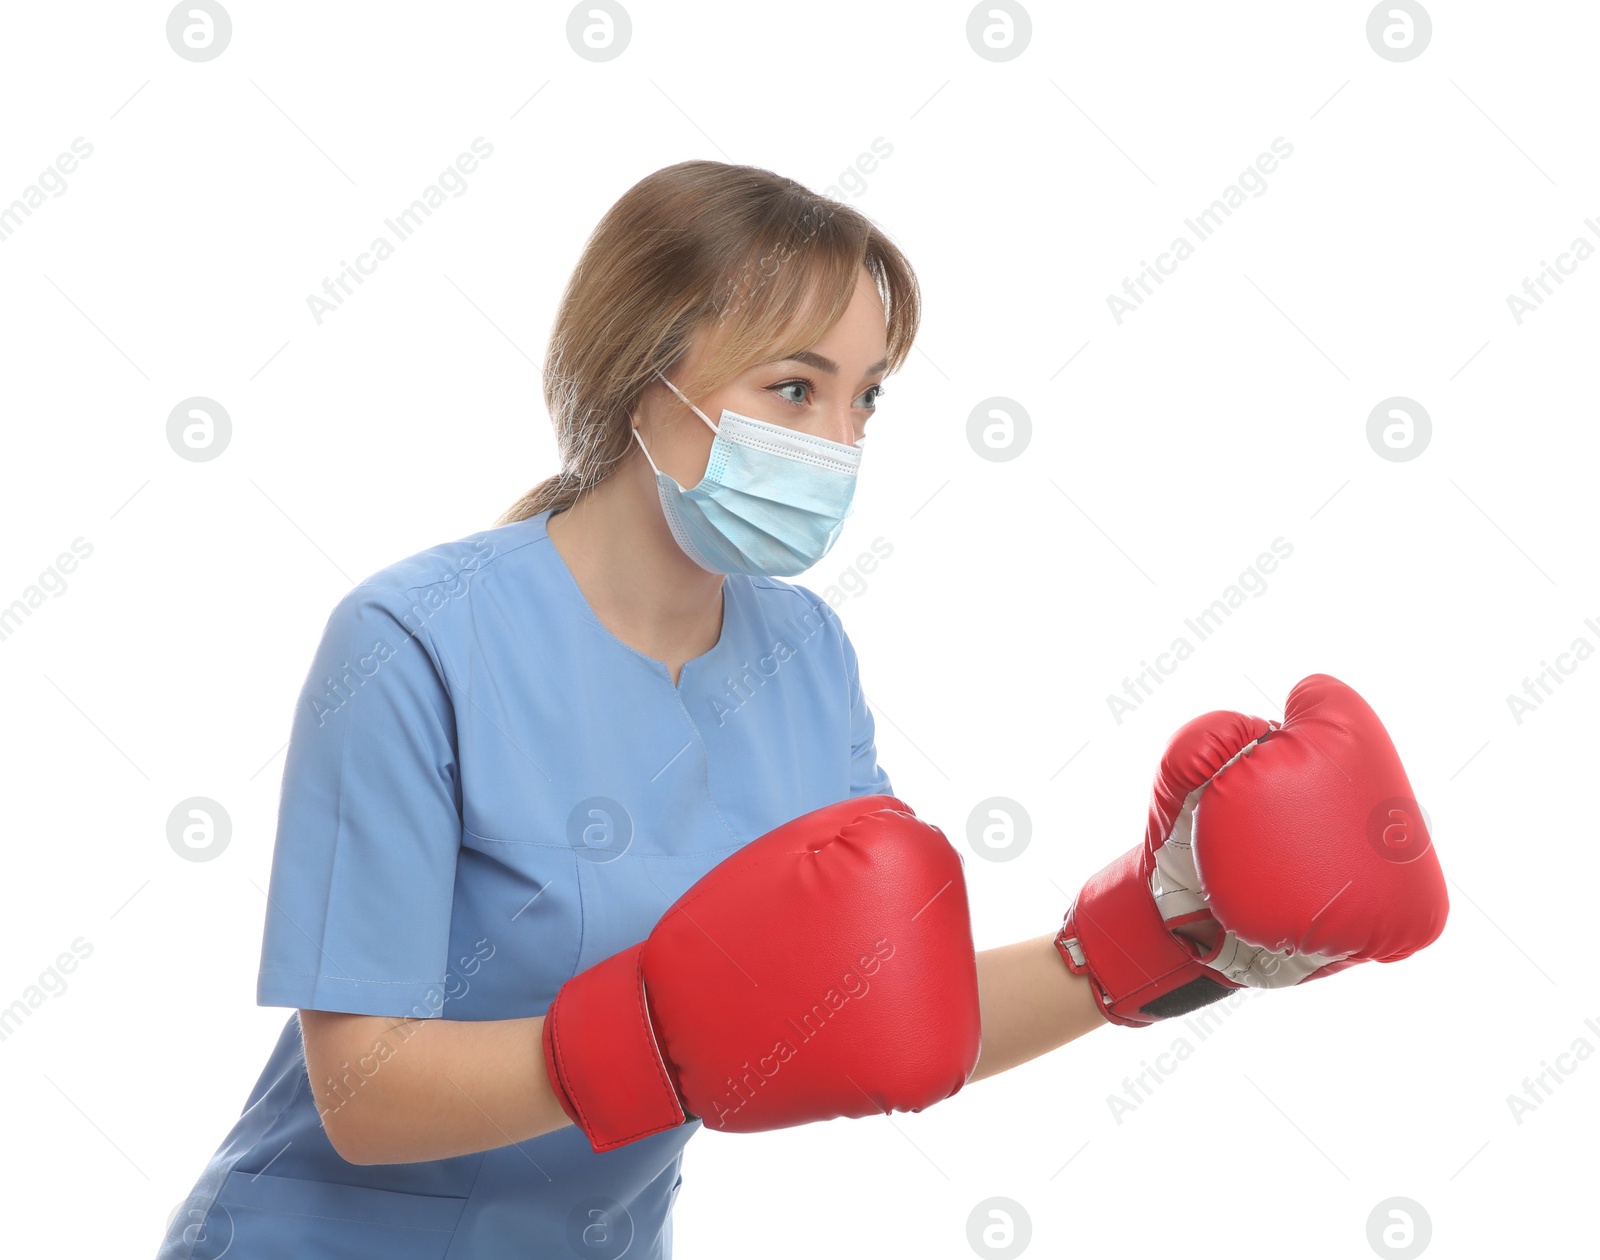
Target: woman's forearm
x,y
1030,1003
395,1091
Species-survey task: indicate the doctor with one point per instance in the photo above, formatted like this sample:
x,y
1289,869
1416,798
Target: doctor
x,y
514,751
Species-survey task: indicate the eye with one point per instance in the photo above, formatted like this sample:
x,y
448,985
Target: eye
x,y
800,384
871,393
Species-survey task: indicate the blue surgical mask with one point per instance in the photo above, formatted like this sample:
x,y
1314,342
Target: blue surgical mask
x,y
772,502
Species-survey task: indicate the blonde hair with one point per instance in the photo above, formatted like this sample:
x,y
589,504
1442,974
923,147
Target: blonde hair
x,y
763,261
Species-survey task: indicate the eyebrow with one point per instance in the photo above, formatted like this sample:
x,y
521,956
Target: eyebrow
x,y
824,364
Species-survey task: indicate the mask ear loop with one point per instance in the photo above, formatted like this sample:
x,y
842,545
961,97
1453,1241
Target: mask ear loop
x,y
689,404
696,411
646,450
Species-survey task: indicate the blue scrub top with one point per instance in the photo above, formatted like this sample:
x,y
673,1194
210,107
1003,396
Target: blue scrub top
x,y
486,792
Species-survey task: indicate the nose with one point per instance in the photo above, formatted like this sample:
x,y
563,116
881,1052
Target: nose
x,y
839,426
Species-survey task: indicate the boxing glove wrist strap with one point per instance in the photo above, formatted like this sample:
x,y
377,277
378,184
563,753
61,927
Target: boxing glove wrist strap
x,y
1138,971
600,1051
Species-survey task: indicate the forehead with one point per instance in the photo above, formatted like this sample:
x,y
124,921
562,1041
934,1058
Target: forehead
x,y
855,343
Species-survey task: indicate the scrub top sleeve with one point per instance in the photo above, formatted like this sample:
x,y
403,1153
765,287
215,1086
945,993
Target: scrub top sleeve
x,y
369,821
867,777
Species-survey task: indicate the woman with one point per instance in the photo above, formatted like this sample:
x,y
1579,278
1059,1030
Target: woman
x,y
514,751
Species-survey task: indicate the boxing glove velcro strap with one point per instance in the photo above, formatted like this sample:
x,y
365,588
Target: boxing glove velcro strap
x,y
601,1054
1138,970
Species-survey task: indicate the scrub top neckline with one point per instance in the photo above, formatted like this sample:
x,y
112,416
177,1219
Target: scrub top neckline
x,y
572,587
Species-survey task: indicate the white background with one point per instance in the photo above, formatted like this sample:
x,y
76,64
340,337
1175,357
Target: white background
x,y
1229,410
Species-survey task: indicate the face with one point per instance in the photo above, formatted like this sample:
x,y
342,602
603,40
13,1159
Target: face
x,y
830,389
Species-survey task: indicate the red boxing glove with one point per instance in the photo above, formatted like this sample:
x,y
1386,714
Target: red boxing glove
x,y
825,969
1275,853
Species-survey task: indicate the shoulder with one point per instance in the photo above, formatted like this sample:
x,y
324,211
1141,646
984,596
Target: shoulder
x,y
460,561
781,599
796,613
458,570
